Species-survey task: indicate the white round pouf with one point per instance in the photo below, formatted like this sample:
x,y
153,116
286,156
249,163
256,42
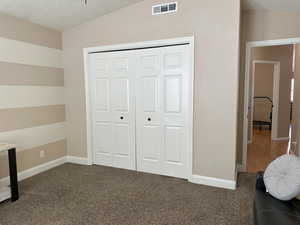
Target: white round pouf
x,y
282,177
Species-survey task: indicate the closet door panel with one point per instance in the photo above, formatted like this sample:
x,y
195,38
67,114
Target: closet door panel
x,y
102,94
162,93
148,109
120,64
103,143
102,126
101,88
175,78
114,112
150,150
150,143
174,154
122,146
149,92
173,94
120,94
173,144
123,109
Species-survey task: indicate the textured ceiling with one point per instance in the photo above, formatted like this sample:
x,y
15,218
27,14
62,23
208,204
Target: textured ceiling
x,y
60,14
274,5
65,14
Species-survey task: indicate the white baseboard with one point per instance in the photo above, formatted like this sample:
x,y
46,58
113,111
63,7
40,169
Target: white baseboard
x,y
42,168
4,193
210,181
281,139
78,160
215,182
35,170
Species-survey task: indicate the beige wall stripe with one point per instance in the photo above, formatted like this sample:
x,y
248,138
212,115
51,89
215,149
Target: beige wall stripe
x,y
19,74
31,157
22,30
20,118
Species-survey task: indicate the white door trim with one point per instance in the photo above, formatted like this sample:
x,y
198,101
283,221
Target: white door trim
x,y
128,46
249,46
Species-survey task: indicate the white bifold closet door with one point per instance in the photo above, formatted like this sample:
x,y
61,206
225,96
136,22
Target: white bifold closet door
x,y
161,111
140,109
113,109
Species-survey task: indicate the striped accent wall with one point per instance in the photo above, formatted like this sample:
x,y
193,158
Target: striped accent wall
x,y
32,105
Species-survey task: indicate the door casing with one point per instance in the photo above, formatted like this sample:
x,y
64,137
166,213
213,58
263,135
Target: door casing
x,y
249,45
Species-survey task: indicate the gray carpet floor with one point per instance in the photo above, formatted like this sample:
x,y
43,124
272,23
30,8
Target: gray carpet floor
x,y
95,195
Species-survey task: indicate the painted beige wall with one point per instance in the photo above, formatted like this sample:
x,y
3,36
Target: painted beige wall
x,y
16,120
258,26
22,30
215,25
284,55
30,158
296,105
263,86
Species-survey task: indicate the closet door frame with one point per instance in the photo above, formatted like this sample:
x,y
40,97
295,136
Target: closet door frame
x,y
133,46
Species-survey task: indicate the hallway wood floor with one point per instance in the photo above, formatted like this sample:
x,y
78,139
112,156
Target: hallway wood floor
x,y
263,150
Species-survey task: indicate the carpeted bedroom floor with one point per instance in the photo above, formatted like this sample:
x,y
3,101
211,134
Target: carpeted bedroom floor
x,y
95,195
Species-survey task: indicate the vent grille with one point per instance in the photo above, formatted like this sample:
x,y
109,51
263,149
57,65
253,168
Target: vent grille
x,y
164,8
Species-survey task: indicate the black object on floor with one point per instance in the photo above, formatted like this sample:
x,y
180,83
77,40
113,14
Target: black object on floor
x,y
13,174
271,211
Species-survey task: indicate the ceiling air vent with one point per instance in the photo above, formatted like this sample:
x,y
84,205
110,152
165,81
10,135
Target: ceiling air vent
x,y
164,8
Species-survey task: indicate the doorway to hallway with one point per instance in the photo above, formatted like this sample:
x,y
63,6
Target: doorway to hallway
x,y
270,102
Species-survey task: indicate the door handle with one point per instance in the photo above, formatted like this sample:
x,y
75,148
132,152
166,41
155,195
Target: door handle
x,y
121,117
149,119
